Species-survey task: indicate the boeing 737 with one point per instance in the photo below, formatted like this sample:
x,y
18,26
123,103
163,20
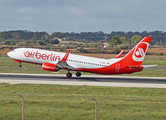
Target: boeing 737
x,y
54,61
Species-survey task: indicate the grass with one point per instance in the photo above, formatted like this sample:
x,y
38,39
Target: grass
x,y
160,63
149,73
75,102
58,102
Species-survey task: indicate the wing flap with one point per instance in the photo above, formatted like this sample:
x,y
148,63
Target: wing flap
x,y
64,65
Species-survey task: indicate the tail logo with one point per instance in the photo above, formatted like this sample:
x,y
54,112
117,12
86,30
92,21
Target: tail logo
x,y
140,51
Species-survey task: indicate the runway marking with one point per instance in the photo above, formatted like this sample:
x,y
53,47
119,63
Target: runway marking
x,y
89,80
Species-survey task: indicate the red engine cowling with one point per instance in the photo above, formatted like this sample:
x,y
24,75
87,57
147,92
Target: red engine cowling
x,y
50,67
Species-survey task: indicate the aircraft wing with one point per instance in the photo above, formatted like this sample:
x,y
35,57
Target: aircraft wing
x,y
64,64
120,54
147,66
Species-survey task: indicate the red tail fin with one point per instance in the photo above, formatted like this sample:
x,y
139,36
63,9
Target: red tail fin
x,y
137,54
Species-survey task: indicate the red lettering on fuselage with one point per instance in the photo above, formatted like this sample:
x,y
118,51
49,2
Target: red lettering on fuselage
x,y
26,54
44,56
38,55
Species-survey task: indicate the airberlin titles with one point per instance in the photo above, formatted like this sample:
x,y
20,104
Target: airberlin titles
x,y
43,56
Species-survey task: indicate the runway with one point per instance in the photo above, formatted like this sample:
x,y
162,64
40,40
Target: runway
x,y
89,80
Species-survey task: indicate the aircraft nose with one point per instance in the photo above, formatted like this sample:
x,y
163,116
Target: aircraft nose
x,y
9,53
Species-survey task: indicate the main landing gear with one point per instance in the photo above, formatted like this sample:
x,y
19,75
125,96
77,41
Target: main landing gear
x,y
69,75
78,74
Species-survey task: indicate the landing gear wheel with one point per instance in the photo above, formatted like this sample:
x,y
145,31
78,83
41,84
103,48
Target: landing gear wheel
x,y
19,65
69,75
78,74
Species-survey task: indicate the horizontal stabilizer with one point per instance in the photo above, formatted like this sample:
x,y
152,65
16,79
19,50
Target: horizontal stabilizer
x,y
147,66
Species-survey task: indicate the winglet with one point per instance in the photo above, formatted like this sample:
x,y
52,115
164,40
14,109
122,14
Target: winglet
x,y
66,56
120,54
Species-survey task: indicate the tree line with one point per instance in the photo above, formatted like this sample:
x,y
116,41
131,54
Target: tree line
x,y
158,37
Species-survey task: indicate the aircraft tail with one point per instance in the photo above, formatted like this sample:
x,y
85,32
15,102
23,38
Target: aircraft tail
x,y
137,54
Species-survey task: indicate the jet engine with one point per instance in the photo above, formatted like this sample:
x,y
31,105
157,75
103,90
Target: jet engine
x,y
50,67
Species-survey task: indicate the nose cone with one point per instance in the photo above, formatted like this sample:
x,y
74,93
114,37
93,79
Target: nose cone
x,y
10,54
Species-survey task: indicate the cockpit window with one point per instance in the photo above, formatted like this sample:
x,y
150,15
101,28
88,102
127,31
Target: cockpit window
x,y
16,50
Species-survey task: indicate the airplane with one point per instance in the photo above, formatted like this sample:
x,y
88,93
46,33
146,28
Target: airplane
x,y
54,61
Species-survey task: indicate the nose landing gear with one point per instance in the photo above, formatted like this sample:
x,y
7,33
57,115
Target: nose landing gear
x,y
20,65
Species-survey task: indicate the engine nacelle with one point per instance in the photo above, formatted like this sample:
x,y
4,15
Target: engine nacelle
x,y
50,67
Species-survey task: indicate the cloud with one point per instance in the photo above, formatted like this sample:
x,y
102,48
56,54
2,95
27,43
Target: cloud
x,y
81,16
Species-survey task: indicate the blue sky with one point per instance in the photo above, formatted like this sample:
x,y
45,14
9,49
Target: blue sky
x,y
83,15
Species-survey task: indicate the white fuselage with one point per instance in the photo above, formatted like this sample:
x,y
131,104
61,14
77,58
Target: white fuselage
x,y
39,56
